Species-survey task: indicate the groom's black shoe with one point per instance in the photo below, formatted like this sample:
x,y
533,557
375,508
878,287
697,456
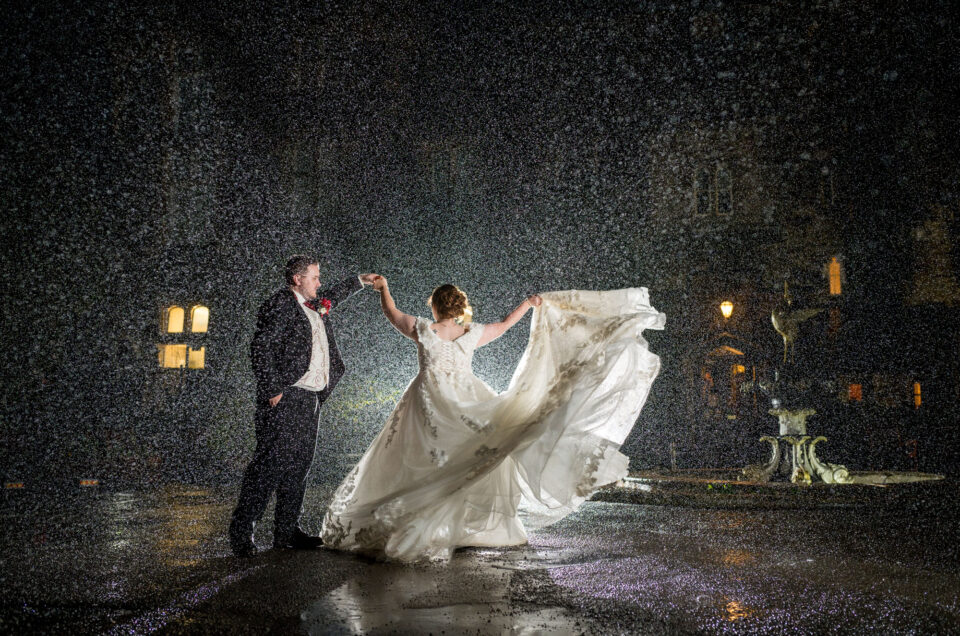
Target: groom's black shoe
x,y
244,551
299,540
241,541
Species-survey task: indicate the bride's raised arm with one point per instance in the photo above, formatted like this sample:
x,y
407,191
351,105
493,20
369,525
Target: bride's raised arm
x,y
494,330
405,323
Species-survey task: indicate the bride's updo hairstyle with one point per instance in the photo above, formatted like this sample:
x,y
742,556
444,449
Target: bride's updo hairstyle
x,y
449,302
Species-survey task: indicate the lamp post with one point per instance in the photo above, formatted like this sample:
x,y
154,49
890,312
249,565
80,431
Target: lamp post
x,y
726,308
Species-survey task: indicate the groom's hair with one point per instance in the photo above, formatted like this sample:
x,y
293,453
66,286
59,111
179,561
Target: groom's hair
x,y
298,264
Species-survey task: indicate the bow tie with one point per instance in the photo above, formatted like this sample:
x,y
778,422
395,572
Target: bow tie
x,y
309,304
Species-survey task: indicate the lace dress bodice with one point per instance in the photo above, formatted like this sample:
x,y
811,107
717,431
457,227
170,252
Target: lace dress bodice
x,y
446,358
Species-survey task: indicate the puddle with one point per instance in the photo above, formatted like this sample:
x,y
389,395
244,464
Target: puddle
x,y
468,596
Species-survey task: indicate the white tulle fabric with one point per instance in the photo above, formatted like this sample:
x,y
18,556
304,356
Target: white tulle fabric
x,y
458,464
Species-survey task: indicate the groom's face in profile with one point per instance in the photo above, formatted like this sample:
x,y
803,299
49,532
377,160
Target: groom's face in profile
x,y
308,283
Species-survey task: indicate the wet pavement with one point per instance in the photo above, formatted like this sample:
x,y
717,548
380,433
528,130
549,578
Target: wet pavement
x,y
139,562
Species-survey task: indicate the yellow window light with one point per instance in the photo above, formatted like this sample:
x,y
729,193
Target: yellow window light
x,y
196,358
174,319
833,270
726,308
199,318
172,356
917,397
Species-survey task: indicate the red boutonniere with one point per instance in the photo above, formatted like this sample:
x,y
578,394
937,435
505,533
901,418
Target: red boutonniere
x,y
322,308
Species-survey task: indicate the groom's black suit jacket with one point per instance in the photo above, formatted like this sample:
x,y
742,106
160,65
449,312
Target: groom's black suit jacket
x,y
282,344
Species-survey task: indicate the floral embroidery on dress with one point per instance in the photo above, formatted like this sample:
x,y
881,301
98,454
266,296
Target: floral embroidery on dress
x,y
396,417
372,537
438,456
333,531
485,451
472,424
588,481
344,493
489,457
428,412
573,320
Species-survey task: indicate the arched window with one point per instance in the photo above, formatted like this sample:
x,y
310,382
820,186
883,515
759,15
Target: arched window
x,y
724,192
199,318
173,319
701,192
186,353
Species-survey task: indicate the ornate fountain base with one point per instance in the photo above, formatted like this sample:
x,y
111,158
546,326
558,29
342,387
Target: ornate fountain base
x,y
800,462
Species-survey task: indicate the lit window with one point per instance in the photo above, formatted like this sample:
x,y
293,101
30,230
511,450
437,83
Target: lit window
x,y
174,319
196,358
184,354
855,393
199,317
172,356
738,368
917,399
834,274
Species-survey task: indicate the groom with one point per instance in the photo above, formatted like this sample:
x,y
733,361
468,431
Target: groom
x,y
296,364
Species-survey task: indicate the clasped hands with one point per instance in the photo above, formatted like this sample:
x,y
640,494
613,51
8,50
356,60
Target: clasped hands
x,y
378,282
370,279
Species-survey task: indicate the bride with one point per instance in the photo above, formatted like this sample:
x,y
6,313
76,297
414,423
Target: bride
x,y
458,464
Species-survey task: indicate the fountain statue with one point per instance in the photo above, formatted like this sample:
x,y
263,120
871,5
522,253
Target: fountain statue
x,y
793,451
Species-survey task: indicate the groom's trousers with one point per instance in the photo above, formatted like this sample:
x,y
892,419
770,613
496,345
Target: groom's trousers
x,y
286,442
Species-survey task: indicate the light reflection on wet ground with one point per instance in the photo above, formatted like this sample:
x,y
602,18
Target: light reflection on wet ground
x,y
140,562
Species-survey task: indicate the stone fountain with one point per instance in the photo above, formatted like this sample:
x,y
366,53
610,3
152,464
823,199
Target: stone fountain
x,y
800,460
794,451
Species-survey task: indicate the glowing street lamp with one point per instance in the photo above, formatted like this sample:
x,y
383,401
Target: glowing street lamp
x,y
726,308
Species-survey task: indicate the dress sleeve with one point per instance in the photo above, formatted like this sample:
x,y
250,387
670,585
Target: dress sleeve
x,y
422,328
471,339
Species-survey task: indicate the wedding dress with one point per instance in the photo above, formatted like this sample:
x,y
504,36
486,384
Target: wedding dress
x,y
457,464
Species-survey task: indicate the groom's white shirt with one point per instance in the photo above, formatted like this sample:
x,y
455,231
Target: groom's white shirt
x,y
318,373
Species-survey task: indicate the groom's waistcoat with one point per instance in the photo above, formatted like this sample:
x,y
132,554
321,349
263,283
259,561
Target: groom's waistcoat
x,y
282,343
